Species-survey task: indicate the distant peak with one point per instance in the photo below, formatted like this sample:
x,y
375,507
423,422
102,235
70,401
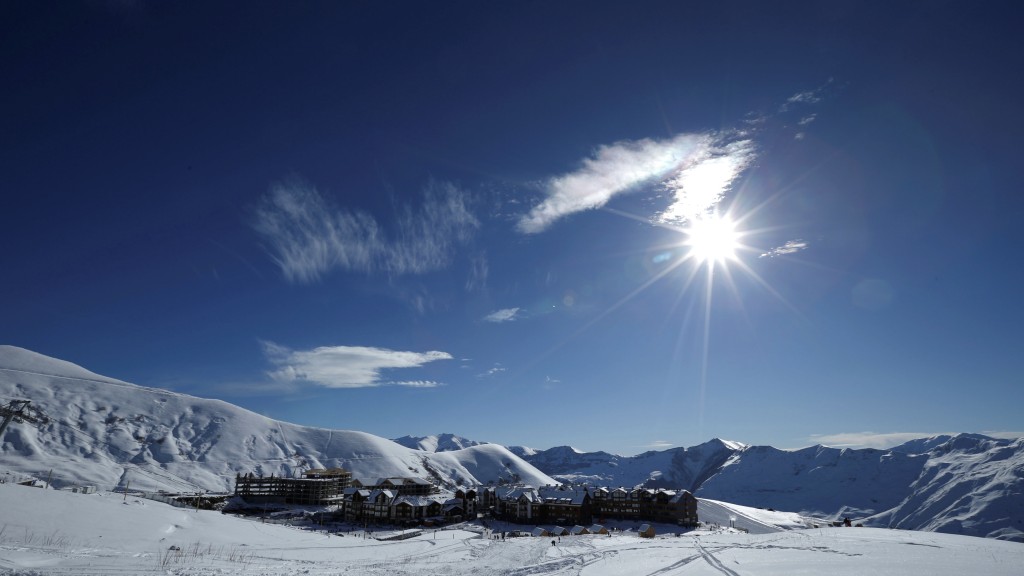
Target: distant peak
x,y
730,444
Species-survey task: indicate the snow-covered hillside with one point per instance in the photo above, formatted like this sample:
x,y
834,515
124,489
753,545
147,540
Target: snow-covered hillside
x,y
963,484
437,442
47,532
970,484
816,481
684,468
112,433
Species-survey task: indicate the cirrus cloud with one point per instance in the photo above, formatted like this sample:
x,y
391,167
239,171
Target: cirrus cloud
x,y
307,236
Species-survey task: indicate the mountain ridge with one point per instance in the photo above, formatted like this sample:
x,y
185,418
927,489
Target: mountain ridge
x,y
111,433
115,434
962,483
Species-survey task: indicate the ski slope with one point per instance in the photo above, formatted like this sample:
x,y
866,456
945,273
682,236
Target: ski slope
x,y
48,532
753,520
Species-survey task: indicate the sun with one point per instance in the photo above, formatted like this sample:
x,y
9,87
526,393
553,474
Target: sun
x,y
712,239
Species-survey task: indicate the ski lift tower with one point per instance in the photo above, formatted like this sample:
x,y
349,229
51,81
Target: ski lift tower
x,y
20,411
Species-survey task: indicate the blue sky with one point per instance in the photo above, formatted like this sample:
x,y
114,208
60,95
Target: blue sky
x,y
485,218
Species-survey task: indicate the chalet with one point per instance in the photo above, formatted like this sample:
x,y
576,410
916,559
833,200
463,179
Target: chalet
x,y
517,504
616,503
539,505
382,506
487,498
657,505
556,531
354,500
646,531
468,497
598,529
578,530
404,486
567,504
454,509
377,507
417,509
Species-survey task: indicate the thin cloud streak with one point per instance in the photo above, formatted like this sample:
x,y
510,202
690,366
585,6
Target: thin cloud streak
x,y
612,170
503,315
697,169
416,384
346,366
870,439
789,247
888,440
307,237
659,445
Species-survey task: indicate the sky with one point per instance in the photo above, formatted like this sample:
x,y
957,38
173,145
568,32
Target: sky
x,y
620,227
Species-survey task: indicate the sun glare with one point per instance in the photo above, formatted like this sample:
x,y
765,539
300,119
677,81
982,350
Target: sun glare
x,y
712,239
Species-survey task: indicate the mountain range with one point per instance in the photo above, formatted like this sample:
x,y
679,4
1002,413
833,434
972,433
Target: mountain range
x,y
110,433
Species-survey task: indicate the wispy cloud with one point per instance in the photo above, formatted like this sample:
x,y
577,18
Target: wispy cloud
x,y
308,237
698,187
478,270
870,439
497,369
612,170
695,168
788,248
346,366
1005,434
807,119
503,315
659,445
890,439
808,97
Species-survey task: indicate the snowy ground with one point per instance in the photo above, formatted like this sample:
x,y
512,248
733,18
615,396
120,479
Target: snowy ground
x,y
52,532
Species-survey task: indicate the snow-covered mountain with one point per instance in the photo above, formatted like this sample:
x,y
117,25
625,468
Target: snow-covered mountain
x,y
111,433
437,442
971,484
674,468
963,484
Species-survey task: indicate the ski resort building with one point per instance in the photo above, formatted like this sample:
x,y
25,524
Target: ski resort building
x,y
544,505
389,507
317,487
408,500
406,486
655,505
580,505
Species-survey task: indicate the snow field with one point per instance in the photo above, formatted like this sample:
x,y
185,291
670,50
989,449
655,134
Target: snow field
x,y
52,532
